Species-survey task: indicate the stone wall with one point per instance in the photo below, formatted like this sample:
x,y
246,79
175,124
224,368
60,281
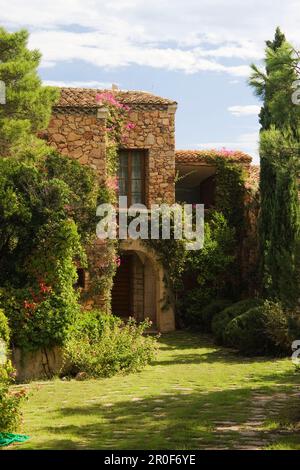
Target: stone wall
x,y
80,134
155,132
41,364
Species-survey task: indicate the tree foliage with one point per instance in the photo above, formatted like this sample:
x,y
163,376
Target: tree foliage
x,y
46,215
279,151
47,207
28,104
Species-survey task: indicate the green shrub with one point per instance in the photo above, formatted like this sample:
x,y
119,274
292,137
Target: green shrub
x,y
212,269
211,310
10,402
41,324
221,320
102,345
278,326
293,319
4,339
10,414
202,318
4,328
193,304
260,330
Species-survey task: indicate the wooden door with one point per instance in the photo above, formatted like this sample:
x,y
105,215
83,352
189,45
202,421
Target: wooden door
x,y
122,289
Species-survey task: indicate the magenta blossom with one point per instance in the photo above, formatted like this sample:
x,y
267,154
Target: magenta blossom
x,y
112,183
226,152
107,97
130,125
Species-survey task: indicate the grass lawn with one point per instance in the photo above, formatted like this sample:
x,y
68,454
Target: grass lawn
x,y
194,396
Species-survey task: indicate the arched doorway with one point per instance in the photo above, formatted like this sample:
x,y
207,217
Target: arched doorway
x,y
139,287
134,289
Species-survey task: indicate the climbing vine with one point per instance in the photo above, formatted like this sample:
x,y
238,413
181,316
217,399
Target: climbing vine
x,y
104,262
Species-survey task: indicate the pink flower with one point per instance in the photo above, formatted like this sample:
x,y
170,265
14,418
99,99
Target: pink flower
x,y
118,261
130,125
109,129
112,183
107,97
226,152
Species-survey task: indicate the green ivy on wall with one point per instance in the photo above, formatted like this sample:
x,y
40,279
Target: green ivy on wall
x,y
215,268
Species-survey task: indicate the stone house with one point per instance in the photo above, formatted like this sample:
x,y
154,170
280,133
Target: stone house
x,y
148,167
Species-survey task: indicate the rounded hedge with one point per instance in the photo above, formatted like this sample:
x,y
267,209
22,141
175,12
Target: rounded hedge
x,y
210,311
221,320
260,330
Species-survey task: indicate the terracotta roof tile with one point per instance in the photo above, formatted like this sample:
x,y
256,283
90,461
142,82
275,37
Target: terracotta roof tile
x,y
194,156
86,97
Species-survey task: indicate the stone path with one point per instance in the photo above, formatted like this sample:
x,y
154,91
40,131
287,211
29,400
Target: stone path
x,y
251,434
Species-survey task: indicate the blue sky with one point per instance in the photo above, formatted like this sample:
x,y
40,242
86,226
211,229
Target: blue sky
x,y
194,51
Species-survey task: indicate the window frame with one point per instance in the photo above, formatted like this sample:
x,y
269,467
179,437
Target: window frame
x,y
129,153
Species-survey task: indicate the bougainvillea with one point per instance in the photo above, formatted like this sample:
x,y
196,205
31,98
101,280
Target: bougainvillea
x,y
104,262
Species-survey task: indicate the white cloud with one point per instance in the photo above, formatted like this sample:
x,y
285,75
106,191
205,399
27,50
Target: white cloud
x,y
74,84
247,143
190,36
246,50
99,49
248,110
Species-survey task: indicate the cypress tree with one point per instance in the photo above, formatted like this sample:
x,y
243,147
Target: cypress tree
x,y
279,153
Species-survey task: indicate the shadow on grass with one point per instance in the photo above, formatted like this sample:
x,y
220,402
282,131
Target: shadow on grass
x,y
173,421
207,351
182,418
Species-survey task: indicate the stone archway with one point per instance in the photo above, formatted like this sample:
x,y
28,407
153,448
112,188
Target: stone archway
x,y
148,292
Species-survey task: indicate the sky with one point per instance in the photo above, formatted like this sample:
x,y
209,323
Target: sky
x,y
196,52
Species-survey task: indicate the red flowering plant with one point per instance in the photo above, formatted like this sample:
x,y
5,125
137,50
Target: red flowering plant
x,y
117,116
37,296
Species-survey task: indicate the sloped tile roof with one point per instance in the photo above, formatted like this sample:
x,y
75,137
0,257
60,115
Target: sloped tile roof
x,y
86,97
195,156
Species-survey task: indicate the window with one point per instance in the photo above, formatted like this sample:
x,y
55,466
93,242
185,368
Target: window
x,y
131,176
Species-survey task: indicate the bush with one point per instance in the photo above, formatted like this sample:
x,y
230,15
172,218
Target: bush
x,y
41,324
202,318
260,330
211,268
211,310
4,328
10,414
193,304
221,320
102,345
46,207
279,326
10,402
